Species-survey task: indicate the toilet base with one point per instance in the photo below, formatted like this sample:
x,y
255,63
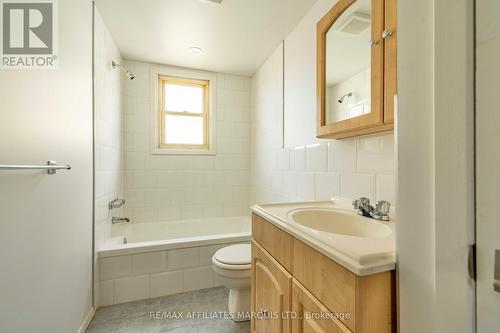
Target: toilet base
x,y
239,304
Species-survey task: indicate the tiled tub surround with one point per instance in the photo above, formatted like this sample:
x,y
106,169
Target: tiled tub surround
x,y
175,187
174,260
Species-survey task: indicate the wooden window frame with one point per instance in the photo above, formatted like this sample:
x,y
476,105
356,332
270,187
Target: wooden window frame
x,y
205,85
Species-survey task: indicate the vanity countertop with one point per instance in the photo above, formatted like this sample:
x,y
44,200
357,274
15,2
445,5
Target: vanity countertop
x,y
360,255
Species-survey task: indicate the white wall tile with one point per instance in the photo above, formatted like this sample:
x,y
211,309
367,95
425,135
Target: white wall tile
x,y
283,159
376,154
198,278
106,293
357,185
342,155
207,252
327,185
331,168
109,109
298,158
137,87
183,258
132,289
290,183
148,262
306,185
316,157
386,188
115,267
169,213
167,283
186,176
277,180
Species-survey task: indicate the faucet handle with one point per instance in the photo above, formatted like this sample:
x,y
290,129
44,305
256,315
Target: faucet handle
x,y
383,207
356,204
364,201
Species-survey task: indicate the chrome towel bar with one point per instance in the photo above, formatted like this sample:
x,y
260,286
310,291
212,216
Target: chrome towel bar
x,y
51,167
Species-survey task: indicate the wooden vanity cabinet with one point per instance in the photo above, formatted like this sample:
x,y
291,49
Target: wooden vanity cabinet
x,y
288,275
304,304
274,284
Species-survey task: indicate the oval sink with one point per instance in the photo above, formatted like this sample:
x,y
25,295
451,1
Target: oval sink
x,y
339,222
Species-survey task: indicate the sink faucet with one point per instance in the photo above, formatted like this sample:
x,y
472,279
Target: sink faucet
x,y
379,212
115,220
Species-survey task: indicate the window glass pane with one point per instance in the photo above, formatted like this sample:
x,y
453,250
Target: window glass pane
x,y
184,130
179,98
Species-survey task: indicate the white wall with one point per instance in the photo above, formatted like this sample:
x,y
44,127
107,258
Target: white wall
x,y
108,112
435,165
46,221
415,139
109,93
180,187
300,78
346,168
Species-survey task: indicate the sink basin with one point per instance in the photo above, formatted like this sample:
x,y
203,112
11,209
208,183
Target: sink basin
x,y
339,222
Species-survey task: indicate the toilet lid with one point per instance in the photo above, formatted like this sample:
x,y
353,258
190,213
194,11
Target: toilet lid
x,y
234,255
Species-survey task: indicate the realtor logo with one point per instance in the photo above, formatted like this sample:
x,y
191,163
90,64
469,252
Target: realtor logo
x,y
28,34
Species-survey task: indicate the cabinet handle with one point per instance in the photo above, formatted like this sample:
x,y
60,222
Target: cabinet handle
x,y
496,282
372,42
386,33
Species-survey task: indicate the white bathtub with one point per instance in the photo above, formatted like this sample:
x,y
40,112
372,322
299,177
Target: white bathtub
x,y
164,258
147,237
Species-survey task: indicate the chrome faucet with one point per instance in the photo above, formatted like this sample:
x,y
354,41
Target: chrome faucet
x,y
115,220
379,212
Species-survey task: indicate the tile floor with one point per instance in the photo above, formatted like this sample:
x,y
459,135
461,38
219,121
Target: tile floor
x,y
134,317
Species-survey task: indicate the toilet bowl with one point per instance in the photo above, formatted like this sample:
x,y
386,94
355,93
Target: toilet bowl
x,y
232,266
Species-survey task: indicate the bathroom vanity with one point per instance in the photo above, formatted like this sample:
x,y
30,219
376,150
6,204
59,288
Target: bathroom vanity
x,y
319,267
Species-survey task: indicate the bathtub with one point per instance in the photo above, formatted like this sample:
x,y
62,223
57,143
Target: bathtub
x,y
164,258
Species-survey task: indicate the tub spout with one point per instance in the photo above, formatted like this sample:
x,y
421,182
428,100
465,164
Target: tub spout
x,y
115,220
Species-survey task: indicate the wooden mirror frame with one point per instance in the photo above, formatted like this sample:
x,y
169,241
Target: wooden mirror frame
x,y
367,123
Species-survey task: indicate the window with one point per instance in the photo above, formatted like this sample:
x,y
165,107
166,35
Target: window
x,y
184,111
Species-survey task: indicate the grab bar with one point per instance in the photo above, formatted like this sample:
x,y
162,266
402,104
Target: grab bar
x,y
51,167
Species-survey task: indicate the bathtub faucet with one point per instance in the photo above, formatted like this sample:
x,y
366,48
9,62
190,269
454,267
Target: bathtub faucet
x,y
115,220
116,203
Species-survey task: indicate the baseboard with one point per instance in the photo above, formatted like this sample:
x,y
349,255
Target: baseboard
x,y
87,321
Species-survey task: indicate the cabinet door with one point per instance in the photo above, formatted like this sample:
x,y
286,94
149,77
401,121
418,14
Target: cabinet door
x,y
312,316
271,293
350,70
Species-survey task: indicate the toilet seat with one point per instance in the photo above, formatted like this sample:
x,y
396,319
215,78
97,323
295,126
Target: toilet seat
x,y
234,257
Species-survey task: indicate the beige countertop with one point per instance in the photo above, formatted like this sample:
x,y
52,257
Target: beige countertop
x,y
360,255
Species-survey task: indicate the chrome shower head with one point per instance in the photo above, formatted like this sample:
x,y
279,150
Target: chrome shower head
x,y
129,74
341,99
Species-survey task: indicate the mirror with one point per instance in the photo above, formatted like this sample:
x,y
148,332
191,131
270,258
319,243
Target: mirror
x,y
348,64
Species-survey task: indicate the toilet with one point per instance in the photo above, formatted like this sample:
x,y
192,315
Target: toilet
x,y
232,266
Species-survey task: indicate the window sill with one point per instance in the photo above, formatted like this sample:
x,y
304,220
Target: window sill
x,y
158,151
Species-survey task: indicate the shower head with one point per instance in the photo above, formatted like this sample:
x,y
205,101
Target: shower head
x,y
129,74
341,99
